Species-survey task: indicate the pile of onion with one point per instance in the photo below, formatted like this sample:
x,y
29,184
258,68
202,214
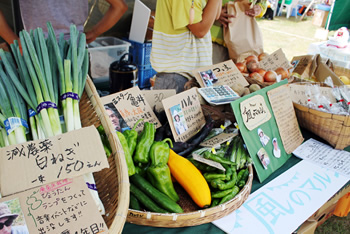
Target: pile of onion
x,y
251,66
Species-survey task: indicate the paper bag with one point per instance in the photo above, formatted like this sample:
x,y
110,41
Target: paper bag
x,y
242,36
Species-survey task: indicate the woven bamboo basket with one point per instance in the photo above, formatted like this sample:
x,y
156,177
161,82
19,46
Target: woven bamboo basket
x,y
191,216
335,129
113,182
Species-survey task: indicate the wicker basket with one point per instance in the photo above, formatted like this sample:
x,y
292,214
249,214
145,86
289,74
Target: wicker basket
x,y
113,182
191,216
335,129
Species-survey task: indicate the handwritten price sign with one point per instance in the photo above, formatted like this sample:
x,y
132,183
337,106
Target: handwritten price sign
x,y
254,112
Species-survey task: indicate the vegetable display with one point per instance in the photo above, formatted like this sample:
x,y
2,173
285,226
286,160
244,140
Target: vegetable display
x,y
159,164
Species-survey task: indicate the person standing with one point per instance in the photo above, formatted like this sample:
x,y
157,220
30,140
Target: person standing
x,y
182,42
62,13
220,51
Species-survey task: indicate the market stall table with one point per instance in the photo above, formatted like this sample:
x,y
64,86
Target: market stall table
x,y
209,227
340,57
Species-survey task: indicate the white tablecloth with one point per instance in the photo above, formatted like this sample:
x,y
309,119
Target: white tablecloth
x,y
339,57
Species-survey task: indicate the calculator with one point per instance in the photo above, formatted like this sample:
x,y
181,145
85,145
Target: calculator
x,y
218,95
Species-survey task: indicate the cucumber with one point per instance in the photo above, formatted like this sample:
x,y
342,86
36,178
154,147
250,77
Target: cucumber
x,y
134,203
145,200
160,198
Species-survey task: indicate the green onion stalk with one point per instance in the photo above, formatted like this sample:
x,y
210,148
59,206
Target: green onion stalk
x,y
10,107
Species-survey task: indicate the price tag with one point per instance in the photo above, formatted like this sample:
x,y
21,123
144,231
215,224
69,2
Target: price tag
x,y
209,162
275,60
184,113
226,73
129,106
218,140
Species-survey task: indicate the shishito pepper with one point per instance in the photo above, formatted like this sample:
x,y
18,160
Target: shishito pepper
x,y
131,137
128,157
159,172
144,144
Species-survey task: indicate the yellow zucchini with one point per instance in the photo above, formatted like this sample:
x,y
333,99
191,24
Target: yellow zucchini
x,y
190,178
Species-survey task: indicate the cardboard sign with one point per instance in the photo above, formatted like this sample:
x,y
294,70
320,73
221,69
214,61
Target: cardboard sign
x,y
275,60
184,113
64,206
34,163
226,73
298,94
212,163
261,132
254,112
218,140
131,106
286,120
155,97
303,65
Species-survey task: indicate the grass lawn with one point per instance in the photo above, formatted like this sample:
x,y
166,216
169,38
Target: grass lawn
x,y
294,37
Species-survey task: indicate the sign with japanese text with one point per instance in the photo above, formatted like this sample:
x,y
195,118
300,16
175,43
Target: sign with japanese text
x,y
34,163
275,60
63,206
131,105
324,156
185,115
269,128
226,73
155,97
218,140
254,112
286,120
284,203
302,65
298,94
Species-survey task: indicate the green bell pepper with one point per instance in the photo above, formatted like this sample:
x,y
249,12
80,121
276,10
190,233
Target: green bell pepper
x,y
131,137
128,157
145,143
159,172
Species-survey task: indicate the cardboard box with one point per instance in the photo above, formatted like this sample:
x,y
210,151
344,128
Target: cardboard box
x,y
314,66
320,18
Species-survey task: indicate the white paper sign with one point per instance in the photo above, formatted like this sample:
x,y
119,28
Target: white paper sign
x,y
283,204
325,156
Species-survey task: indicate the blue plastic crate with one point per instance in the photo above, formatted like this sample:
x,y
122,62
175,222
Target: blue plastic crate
x,y
144,75
141,52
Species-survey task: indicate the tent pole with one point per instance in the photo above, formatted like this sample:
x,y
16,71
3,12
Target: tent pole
x,y
330,15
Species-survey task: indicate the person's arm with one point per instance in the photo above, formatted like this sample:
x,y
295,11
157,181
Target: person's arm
x,y
210,14
5,31
116,10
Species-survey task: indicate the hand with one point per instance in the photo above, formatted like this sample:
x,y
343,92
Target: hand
x,y
255,11
90,36
224,18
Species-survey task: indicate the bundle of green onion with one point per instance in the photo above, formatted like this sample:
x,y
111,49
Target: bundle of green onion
x,y
48,78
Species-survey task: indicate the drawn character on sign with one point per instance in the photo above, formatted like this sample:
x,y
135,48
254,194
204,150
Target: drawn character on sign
x,y
264,158
263,138
115,117
8,223
276,149
178,119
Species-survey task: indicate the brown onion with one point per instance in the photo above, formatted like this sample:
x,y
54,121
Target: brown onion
x,y
256,76
241,67
283,72
270,76
262,56
251,57
261,71
252,65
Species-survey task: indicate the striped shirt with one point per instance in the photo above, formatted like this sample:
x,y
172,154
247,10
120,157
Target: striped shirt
x,y
174,47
